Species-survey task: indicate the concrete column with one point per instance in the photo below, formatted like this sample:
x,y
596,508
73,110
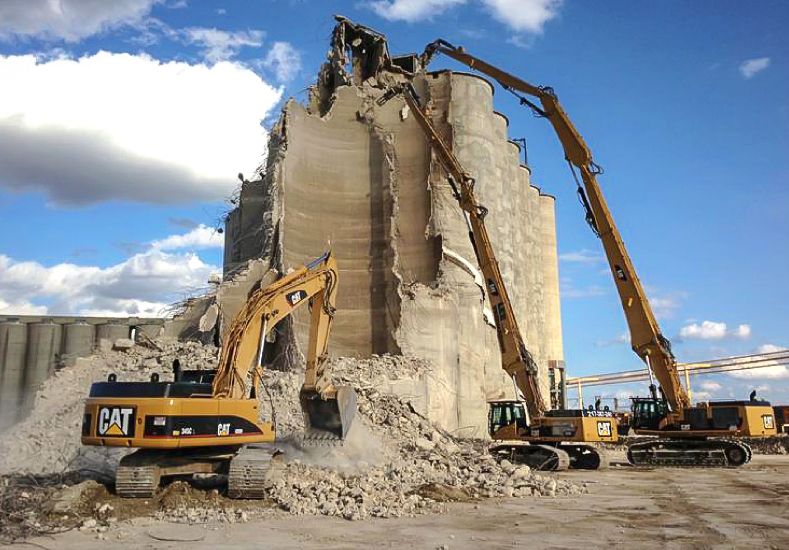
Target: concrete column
x,y
43,346
13,348
554,350
78,341
107,333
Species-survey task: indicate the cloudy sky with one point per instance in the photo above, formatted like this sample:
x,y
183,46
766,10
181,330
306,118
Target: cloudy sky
x,y
123,125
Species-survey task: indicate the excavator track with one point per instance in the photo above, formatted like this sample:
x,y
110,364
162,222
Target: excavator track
x,y
586,457
690,453
251,471
537,457
135,478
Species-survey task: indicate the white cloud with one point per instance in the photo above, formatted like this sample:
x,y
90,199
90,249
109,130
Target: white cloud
x,y
200,237
664,306
769,348
218,45
712,330
523,16
710,385
771,370
141,285
284,60
750,67
583,256
69,20
120,126
412,10
664,303
21,308
742,331
623,338
567,289
528,16
702,396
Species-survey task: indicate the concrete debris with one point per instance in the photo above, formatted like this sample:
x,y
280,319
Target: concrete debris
x,y
395,463
71,497
778,445
123,344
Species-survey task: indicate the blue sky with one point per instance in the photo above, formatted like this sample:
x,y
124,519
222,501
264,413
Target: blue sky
x,y
110,205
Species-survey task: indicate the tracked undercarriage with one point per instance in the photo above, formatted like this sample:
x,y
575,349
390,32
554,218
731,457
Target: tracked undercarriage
x,y
552,456
248,469
689,453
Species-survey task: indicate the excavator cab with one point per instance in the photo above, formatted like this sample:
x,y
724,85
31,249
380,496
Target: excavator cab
x,y
505,414
648,412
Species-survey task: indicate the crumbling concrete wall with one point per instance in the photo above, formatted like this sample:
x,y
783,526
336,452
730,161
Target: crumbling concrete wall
x,y
360,177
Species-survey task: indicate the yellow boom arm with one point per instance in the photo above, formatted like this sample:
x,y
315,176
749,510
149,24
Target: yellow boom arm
x,y
242,349
645,336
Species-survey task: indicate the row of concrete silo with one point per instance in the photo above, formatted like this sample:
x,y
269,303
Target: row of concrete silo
x,y
32,347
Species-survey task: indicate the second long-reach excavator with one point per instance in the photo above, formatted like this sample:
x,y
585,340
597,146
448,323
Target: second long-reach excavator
x,y
544,439
207,421
707,434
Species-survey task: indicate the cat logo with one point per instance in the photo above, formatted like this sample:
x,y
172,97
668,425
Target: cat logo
x,y
604,429
115,421
295,297
768,421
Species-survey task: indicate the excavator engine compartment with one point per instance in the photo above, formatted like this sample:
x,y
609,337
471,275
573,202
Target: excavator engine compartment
x,y
168,415
753,418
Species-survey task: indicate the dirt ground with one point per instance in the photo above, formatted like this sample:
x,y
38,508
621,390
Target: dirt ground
x,y
640,508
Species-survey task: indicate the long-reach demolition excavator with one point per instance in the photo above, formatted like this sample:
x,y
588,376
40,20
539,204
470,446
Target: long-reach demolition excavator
x,y
207,421
707,434
547,439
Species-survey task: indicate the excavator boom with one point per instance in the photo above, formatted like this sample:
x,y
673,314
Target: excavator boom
x,y
645,335
326,408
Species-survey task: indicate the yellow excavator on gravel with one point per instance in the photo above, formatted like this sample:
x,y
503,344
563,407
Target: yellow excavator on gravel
x,y
705,434
207,421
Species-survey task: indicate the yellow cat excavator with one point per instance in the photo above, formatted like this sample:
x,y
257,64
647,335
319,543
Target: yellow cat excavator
x,y
707,434
207,421
547,439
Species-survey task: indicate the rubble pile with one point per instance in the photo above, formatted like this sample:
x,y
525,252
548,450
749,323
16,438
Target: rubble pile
x,y
394,462
776,445
420,465
424,466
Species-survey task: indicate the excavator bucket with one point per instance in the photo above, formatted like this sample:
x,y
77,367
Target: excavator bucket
x,y
327,421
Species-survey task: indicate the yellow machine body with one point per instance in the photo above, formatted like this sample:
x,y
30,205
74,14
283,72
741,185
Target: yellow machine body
x,y
720,419
173,423
507,423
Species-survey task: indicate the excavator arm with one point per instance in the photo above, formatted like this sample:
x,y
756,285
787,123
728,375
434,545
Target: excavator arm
x,y
516,359
646,338
242,350
325,407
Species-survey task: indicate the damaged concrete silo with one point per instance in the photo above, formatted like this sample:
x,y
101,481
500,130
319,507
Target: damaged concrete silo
x,y
345,172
